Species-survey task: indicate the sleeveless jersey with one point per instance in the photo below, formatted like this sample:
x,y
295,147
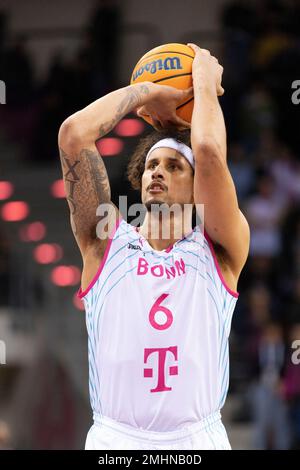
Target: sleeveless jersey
x,y
158,324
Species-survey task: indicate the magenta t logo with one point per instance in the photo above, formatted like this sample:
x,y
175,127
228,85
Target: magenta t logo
x,y
173,370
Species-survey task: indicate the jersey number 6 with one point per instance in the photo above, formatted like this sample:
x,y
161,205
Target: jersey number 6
x,y
156,307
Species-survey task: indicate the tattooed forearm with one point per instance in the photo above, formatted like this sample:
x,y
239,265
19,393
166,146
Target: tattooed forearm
x,y
70,178
87,186
132,100
98,174
85,176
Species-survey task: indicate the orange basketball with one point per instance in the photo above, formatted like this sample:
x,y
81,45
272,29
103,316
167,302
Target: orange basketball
x,y
169,64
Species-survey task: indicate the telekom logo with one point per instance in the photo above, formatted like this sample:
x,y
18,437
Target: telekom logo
x,y
173,370
156,310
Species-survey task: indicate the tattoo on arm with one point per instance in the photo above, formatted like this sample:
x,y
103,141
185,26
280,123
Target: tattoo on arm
x,y
71,178
87,186
129,102
98,175
85,175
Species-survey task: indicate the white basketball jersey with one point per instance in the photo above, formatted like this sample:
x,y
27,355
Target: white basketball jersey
x,y
158,324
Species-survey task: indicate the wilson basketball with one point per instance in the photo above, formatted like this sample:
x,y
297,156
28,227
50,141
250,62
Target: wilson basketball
x,y
169,64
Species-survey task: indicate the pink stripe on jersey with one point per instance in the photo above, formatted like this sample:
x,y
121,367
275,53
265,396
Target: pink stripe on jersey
x,y
234,294
82,293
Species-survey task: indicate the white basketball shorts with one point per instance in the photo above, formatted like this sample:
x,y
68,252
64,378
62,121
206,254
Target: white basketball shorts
x,y
107,434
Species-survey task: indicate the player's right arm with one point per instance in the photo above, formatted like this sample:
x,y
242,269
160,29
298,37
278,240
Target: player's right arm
x,y
85,177
84,173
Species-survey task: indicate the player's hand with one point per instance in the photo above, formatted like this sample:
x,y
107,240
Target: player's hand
x,y
207,72
161,106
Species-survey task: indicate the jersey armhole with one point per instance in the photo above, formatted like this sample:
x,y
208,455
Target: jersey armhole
x,y
82,293
230,291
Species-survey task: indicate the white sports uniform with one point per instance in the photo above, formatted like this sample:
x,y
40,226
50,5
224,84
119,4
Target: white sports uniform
x,y
158,324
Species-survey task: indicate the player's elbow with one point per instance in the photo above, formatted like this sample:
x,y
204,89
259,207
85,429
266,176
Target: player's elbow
x,y
208,150
70,134
209,160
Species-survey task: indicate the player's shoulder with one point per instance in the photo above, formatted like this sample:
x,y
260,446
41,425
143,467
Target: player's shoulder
x,y
118,231
101,250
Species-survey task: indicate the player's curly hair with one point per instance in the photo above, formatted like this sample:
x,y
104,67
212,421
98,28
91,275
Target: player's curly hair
x,y
136,164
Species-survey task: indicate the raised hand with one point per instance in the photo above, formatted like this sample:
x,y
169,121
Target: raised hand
x,y
207,72
162,104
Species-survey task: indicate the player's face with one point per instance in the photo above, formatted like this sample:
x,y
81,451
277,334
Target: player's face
x,y
167,178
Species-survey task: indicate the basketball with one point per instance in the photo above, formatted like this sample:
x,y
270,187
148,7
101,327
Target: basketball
x,y
169,64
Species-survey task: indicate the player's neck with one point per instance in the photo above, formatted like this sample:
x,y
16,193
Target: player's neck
x,y
162,232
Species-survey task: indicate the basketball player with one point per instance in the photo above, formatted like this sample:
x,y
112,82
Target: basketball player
x,y
158,310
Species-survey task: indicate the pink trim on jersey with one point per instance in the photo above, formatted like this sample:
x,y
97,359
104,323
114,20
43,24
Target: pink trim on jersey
x,y
81,293
234,294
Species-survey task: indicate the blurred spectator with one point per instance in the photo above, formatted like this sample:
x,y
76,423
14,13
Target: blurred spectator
x,y
285,170
271,424
291,388
264,211
266,151
258,315
241,169
272,42
257,114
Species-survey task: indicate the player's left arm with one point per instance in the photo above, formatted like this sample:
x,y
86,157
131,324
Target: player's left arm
x,y
213,184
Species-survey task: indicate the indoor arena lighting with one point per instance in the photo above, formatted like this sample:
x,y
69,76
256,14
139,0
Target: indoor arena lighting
x,y
58,189
33,232
14,211
63,276
47,253
6,190
129,127
109,146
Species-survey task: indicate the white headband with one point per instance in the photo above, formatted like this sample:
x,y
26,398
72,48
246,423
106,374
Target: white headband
x,y
180,147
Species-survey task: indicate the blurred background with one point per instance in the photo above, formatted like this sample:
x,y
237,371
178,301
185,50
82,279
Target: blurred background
x,y
55,58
